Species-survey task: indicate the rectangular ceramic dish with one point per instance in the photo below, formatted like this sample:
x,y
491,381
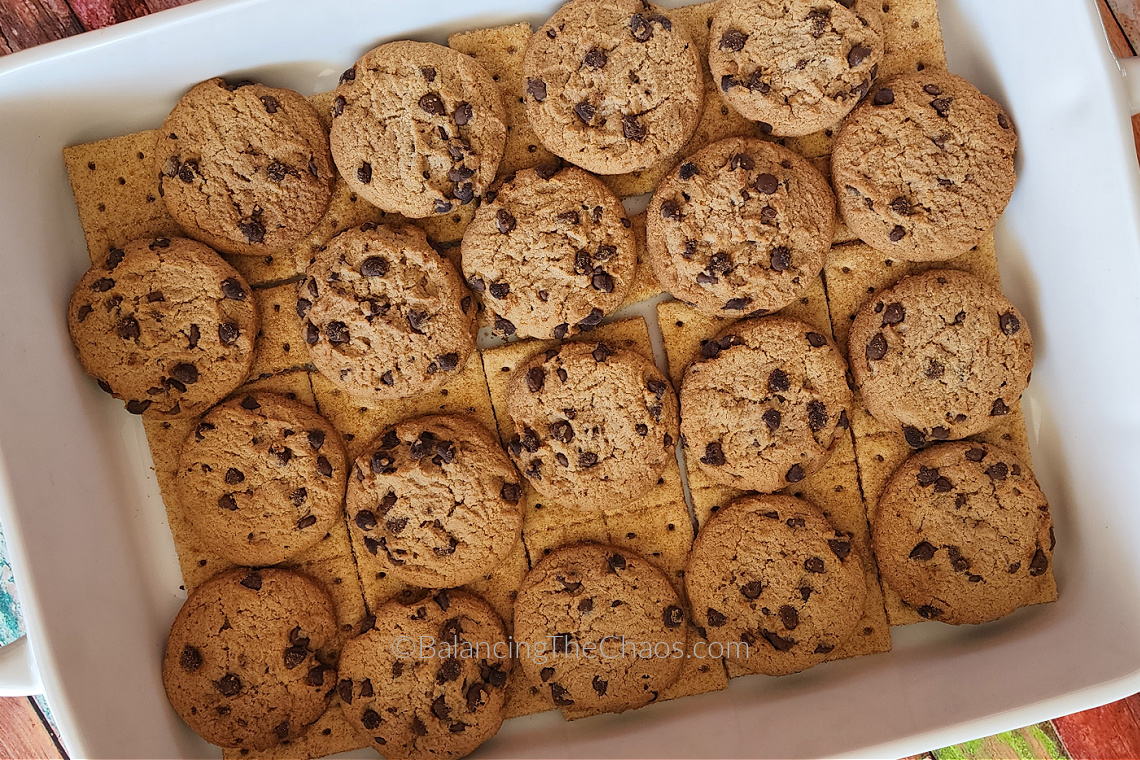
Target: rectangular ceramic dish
x,y
86,528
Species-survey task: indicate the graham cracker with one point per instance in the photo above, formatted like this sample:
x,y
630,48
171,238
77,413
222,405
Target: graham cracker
x,y
834,489
281,345
854,273
657,525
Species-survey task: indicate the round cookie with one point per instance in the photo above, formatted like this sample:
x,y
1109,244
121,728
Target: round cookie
x,y
612,85
435,501
765,405
262,479
250,661
773,582
245,167
604,628
962,533
595,425
796,65
942,354
551,253
742,226
428,681
386,316
165,325
418,129
923,167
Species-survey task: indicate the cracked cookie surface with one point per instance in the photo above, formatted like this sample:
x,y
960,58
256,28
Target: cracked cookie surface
x,y
435,501
262,478
551,253
923,167
765,404
605,629
245,168
418,129
594,425
250,661
771,580
962,532
942,354
386,315
796,65
742,226
612,85
421,701
166,325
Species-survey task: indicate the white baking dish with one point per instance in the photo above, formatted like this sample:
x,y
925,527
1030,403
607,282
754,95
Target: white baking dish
x,y
86,528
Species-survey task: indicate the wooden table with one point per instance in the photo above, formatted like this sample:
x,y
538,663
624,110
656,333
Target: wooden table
x,y
1112,731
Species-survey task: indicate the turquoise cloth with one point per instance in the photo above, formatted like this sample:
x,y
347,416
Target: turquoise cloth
x,y
11,624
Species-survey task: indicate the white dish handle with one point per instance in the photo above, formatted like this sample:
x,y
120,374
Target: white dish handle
x,y
18,674
1130,69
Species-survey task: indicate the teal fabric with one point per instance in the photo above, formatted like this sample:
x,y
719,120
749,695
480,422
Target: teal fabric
x,y
11,624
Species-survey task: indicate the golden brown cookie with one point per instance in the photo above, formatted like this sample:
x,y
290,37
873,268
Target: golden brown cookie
x,y
436,502
798,66
245,167
599,627
740,227
428,680
550,253
250,661
612,85
774,584
923,167
262,479
765,405
418,129
962,532
166,325
386,315
594,425
942,355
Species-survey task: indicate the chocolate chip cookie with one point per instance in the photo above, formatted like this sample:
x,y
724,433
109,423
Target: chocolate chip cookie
x,y
923,167
796,65
435,501
245,167
773,582
262,478
962,533
551,253
942,354
166,325
386,316
250,661
602,629
612,85
595,425
418,129
765,404
428,681
742,226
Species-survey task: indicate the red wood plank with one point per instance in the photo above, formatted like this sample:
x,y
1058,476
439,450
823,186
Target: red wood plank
x,y
96,14
1111,732
22,734
27,23
1121,47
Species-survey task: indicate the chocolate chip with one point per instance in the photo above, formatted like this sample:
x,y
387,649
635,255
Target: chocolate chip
x,y
915,438
727,82
883,97
587,459
640,27
592,319
232,289
1009,323
857,55
191,658
923,551
504,326
84,312
584,111
789,617
432,104
229,685
998,471
766,184
976,455
463,114
942,106
337,107
633,129
716,618
138,407
876,347
673,616
688,170
778,381
813,565
560,696
616,562
751,590
227,502
128,329
795,474
779,643
596,59
1003,121
929,611
733,40
893,314
270,103
824,648
252,581
234,476
536,88
741,161
602,281
253,230
999,408
103,284
535,377
1039,564
817,415
185,373
714,454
